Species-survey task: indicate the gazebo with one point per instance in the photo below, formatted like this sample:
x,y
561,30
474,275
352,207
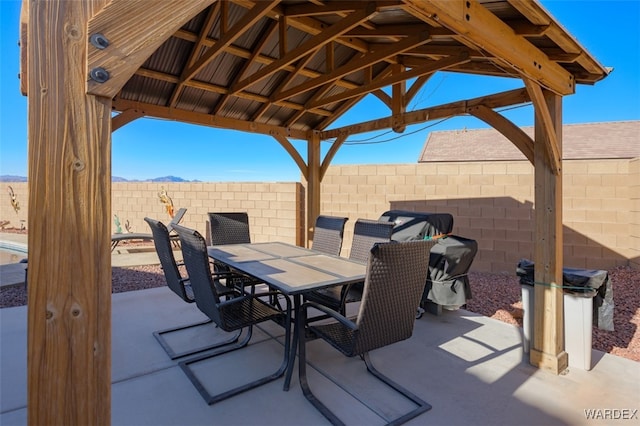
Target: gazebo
x,y
285,68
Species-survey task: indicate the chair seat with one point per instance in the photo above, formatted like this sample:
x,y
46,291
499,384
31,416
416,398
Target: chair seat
x,y
336,334
332,297
243,312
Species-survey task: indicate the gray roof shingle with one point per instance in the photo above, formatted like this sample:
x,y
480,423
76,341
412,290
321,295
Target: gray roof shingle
x,y
620,139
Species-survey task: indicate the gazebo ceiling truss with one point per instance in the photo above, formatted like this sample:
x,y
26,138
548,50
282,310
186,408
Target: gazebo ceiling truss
x,y
288,68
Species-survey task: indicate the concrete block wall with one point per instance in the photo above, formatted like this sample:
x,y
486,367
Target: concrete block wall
x,y
493,203
634,228
275,209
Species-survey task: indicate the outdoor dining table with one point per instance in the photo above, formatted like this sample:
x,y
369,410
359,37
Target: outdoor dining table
x,y
292,270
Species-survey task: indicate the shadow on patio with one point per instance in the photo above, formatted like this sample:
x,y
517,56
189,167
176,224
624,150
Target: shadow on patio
x,y
469,367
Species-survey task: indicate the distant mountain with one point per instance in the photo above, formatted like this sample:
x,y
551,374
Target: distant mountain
x,y
10,178
168,179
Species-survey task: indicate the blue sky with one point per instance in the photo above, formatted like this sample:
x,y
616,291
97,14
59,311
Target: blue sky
x,y
148,148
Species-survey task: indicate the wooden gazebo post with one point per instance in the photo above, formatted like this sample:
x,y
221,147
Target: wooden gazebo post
x,y
69,315
313,184
71,79
547,350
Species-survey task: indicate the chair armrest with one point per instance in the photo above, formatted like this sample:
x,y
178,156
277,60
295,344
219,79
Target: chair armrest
x,y
330,312
256,296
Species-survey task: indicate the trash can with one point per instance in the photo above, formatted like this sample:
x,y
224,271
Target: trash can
x,y
588,301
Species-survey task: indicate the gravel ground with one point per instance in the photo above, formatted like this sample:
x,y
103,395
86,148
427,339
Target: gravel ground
x,y
496,296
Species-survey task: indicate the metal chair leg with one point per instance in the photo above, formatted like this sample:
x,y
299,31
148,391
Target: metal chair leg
x,y
212,399
422,406
174,355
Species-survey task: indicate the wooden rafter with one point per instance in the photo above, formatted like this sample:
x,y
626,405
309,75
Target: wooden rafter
x,y
302,63
259,59
268,33
238,29
126,26
480,27
195,51
345,106
324,8
355,65
396,31
413,73
224,91
318,40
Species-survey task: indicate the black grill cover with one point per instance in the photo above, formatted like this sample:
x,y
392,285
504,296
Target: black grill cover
x,y
448,283
581,282
417,225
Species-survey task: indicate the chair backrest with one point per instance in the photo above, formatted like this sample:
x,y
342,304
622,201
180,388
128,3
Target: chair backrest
x,y
176,218
162,242
393,287
229,228
328,234
196,259
366,233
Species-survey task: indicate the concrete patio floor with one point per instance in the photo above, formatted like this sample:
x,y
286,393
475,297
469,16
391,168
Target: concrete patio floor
x,y
470,368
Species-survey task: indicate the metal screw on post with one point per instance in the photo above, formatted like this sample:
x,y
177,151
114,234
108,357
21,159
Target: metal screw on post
x,y
99,41
99,75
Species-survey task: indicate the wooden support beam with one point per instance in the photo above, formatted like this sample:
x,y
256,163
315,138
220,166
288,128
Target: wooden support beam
x,y
511,97
313,184
547,351
473,22
24,42
69,315
515,134
133,31
326,162
206,119
295,155
415,88
398,90
545,119
124,118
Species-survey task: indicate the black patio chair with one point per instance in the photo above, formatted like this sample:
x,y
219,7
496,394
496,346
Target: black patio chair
x,y
237,313
230,228
396,273
180,286
366,233
328,234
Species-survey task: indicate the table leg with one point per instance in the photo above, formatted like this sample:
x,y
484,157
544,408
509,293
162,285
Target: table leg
x,y
294,344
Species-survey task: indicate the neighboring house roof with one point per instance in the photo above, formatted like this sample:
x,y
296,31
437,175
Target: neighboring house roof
x,y
579,141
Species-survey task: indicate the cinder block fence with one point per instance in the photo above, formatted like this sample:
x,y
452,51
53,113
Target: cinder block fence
x,y
491,202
